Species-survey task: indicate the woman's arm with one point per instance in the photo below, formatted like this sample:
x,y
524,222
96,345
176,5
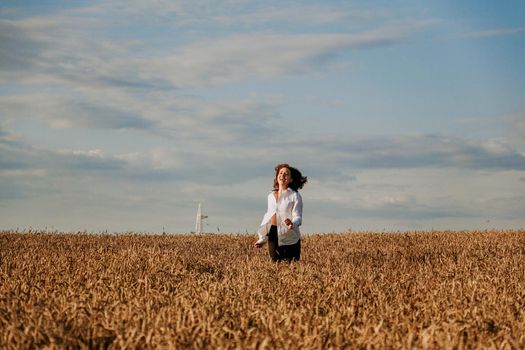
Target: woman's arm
x,y
263,228
297,212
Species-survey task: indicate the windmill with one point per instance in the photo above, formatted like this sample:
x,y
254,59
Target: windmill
x,y
199,219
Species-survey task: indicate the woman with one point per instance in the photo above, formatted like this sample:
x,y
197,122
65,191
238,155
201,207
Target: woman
x,y
280,225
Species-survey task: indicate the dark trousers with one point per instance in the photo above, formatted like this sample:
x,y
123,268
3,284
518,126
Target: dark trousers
x,y
285,252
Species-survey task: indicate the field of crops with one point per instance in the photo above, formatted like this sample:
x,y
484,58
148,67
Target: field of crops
x,y
351,290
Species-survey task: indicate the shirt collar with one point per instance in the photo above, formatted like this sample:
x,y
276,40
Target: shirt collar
x,y
287,191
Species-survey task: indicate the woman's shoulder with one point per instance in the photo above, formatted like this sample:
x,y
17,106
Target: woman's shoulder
x,y
294,193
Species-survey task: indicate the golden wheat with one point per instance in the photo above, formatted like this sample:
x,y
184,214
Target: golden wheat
x,y
353,290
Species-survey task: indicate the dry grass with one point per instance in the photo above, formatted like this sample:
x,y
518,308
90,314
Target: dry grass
x,y
367,290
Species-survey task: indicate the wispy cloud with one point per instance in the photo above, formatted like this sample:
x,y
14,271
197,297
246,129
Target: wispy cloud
x,y
347,178
73,46
330,159
425,150
200,14
516,124
488,33
182,119
208,62
237,57
72,111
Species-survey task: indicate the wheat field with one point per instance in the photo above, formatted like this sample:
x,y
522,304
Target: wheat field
x,y
419,290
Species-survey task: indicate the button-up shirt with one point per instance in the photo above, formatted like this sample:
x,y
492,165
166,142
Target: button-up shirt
x,y
289,205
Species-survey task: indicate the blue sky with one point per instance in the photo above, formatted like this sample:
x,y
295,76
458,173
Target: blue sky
x,y
123,115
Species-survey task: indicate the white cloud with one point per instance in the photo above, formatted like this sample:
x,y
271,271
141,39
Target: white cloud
x,y
96,153
70,48
162,114
339,195
23,173
489,33
408,151
417,198
261,56
73,110
516,125
203,14
155,159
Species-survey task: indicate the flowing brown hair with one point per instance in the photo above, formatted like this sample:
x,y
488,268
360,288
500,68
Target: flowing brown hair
x,y
298,180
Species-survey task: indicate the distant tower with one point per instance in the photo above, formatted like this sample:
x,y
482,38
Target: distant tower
x,y
199,219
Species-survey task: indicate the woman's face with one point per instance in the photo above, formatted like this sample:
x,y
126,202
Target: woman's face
x,y
284,177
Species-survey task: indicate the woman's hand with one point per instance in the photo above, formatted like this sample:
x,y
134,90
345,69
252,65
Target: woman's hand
x,y
288,223
259,243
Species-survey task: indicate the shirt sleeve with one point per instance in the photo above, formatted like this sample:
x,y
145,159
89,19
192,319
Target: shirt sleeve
x,y
297,211
266,222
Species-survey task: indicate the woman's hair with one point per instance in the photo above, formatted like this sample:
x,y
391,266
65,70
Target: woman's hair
x,y
298,180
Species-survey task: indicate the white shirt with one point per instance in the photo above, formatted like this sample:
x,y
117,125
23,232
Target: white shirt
x,y
288,206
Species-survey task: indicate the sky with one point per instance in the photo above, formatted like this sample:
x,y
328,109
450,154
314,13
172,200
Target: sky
x,y
122,116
